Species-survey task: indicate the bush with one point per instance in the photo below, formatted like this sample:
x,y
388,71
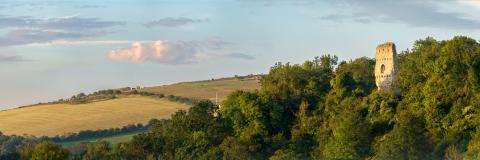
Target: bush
x,y
49,151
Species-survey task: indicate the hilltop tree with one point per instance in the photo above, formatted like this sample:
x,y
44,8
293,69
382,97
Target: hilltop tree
x,y
361,75
254,120
290,84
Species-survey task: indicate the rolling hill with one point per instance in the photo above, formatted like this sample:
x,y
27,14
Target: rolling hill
x,y
59,119
63,118
207,89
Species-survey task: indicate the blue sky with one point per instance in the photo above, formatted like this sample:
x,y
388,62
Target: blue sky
x,y
54,49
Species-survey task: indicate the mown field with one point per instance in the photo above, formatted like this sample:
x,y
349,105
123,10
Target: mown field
x,y
207,89
60,119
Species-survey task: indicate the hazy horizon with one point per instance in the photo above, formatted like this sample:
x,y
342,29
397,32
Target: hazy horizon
x,y
54,49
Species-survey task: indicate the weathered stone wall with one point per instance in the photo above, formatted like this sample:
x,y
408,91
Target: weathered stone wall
x,y
385,66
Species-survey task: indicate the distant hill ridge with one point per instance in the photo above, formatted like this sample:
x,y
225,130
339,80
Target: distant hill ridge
x,y
223,86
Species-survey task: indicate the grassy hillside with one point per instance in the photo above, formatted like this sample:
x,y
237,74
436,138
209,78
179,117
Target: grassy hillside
x,y
59,119
207,89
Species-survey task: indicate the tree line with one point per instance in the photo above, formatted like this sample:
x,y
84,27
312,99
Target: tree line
x,y
101,133
109,94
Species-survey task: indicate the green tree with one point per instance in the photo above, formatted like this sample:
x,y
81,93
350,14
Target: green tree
x,y
27,151
407,140
362,73
291,84
100,150
234,149
49,151
126,151
302,140
256,122
381,108
343,84
473,152
11,145
350,136
282,154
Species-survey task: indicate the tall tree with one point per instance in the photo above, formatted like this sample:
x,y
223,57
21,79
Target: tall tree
x,y
350,136
407,140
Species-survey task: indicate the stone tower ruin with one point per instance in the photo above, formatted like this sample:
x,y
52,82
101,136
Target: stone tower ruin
x,y
385,66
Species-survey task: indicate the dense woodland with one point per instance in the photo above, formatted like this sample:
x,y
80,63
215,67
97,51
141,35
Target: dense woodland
x,y
325,109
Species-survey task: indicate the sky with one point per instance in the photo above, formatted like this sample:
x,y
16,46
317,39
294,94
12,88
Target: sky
x,y
54,49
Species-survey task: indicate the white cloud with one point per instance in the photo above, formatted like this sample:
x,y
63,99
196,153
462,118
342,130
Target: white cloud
x,y
179,52
85,42
159,51
238,55
66,42
25,30
411,12
14,58
474,3
174,22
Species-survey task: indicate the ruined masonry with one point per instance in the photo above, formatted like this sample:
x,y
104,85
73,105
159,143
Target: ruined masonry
x,y
386,66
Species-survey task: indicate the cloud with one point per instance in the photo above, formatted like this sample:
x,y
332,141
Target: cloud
x,y
29,36
272,3
237,55
179,52
90,6
413,13
174,22
90,42
26,30
159,51
75,23
61,23
15,58
473,3
6,22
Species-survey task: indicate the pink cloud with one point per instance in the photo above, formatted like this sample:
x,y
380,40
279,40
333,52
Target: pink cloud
x,y
474,3
178,52
134,53
158,51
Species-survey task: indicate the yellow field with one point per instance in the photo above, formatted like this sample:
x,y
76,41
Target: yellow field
x,y
207,89
59,119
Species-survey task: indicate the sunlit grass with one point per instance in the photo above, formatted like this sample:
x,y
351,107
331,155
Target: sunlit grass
x,y
207,89
60,119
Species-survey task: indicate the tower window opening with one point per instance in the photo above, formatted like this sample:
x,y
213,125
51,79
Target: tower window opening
x,y
382,68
